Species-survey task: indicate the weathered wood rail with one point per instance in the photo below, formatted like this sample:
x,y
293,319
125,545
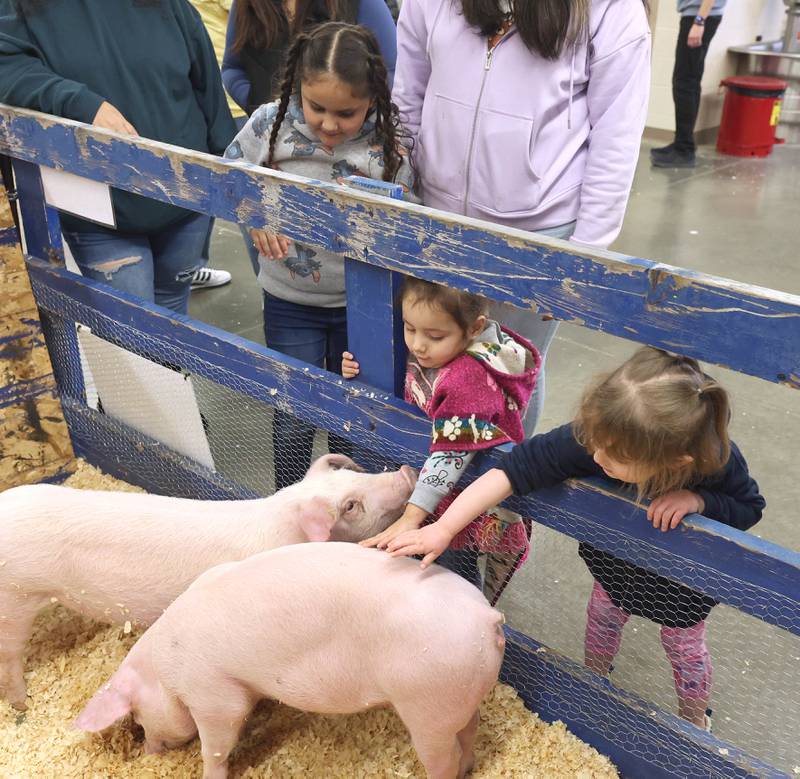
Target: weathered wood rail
x,y
749,329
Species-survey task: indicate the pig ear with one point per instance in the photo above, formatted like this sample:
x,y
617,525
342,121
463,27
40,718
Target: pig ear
x,y
104,709
333,462
317,518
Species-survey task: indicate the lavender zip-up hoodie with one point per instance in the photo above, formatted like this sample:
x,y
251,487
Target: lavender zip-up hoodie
x,y
514,138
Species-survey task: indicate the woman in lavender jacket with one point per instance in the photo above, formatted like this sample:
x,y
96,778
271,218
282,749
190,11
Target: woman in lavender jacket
x,y
528,114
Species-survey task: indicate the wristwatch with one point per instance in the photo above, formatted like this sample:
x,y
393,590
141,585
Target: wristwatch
x,y
699,20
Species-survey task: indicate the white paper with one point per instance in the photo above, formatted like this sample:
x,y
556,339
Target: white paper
x,y
77,195
148,397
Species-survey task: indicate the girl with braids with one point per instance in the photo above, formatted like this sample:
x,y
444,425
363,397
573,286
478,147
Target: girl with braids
x,y
659,424
258,38
334,118
528,113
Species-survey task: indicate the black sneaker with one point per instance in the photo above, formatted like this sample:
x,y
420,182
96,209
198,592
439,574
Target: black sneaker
x,y
674,159
662,150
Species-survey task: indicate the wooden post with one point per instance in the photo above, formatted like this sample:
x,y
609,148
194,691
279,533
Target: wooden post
x,y
34,440
375,326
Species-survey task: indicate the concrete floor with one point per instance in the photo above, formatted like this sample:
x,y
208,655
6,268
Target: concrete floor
x,y
730,217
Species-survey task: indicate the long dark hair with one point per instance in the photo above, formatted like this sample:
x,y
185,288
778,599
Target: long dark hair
x,y
259,23
546,26
349,52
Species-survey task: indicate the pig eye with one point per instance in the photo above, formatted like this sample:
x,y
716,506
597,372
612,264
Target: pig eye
x,y
350,506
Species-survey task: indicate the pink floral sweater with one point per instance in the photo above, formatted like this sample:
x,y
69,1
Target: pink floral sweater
x,y
478,400
475,402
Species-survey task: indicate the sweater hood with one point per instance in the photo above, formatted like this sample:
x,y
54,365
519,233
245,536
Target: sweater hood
x,y
297,119
511,360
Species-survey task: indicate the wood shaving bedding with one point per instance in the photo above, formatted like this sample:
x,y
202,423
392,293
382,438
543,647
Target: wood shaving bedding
x,y
69,657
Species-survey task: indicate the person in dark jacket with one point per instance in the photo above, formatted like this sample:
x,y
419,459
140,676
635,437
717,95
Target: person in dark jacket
x,y
657,423
138,67
258,39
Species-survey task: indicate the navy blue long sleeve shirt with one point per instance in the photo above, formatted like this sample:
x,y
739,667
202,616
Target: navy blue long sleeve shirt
x,y
730,496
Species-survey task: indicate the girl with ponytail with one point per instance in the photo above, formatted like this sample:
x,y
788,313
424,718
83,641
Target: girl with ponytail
x,y
334,118
659,425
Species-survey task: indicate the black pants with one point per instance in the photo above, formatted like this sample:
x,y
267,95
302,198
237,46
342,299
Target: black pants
x,y
686,79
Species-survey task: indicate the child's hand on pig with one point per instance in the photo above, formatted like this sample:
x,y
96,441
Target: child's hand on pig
x,y
271,245
429,541
667,511
350,368
411,519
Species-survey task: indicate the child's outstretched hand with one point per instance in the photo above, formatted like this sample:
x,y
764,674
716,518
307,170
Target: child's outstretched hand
x,y
411,519
350,368
271,245
429,541
667,511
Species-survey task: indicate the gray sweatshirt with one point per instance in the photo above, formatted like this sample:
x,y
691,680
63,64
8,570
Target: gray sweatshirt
x,y
307,276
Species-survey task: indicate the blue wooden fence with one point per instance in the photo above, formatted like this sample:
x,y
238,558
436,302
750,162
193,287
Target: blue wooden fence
x,y
749,329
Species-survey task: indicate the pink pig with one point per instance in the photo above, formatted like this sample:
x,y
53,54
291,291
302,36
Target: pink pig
x,y
124,557
328,628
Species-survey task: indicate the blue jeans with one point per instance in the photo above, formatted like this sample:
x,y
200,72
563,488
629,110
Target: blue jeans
x,y
155,266
539,333
317,336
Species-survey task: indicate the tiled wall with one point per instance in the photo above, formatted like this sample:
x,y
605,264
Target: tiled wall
x,y
742,22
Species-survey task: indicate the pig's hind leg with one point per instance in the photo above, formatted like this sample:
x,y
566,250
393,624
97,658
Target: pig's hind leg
x,y
219,716
436,740
17,613
466,739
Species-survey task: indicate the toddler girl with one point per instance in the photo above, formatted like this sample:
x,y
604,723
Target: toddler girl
x,y
334,118
473,378
660,424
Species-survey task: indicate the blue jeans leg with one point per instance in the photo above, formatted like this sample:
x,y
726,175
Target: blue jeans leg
x,y
317,336
154,266
205,252
176,256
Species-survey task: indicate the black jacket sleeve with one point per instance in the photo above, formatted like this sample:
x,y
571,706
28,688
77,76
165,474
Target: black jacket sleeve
x,y
546,460
26,80
732,497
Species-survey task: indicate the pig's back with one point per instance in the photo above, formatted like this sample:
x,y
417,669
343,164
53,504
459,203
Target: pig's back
x,y
139,549
335,627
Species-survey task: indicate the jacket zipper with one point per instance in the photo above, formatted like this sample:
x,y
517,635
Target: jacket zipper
x,y
486,66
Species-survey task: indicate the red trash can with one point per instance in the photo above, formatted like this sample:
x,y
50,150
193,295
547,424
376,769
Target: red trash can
x,y
749,115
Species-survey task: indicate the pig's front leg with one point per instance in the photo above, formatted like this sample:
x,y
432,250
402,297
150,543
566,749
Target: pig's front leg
x,y
17,613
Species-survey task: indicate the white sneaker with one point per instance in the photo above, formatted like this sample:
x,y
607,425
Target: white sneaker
x,y
205,278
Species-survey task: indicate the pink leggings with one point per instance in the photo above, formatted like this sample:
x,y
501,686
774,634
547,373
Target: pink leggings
x,y
685,647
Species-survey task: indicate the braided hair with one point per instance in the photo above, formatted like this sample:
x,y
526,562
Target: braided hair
x,y
350,53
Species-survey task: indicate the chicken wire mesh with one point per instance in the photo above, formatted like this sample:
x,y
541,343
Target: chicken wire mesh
x,y
228,424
